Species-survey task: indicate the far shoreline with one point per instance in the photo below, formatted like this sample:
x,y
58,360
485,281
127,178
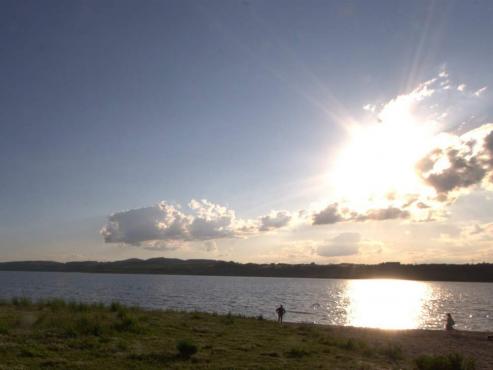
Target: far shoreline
x,y
475,273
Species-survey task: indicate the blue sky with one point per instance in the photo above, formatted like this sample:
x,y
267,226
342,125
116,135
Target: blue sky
x,y
111,106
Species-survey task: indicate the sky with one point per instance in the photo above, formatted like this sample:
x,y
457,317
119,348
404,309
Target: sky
x,y
252,131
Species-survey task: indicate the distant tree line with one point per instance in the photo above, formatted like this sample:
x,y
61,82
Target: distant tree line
x,y
481,272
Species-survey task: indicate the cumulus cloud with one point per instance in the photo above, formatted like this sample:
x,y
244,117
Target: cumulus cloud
x,y
274,220
329,215
464,161
345,244
164,225
166,222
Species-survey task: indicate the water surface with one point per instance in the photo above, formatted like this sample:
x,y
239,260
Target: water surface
x,y
390,304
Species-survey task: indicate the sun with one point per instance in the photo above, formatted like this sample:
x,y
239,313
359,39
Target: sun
x,y
380,156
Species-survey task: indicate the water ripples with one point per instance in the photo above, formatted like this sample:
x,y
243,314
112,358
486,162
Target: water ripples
x,y
369,303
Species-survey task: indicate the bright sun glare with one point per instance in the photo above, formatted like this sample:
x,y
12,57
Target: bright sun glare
x,y
386,303
380,157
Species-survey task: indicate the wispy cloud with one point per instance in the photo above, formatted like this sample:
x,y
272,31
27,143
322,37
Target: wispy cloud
x,y
480,91
370,107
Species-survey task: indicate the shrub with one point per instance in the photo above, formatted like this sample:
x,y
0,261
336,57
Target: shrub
x,y
186,348
296,353
453,361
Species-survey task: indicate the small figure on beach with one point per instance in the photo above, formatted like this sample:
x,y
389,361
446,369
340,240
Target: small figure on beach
x,y
450,322
280,313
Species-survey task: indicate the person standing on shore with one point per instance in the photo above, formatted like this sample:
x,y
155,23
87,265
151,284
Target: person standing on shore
x,y
280,313
450,322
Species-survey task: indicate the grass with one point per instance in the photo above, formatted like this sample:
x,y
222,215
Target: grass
x,y
56,334
453,361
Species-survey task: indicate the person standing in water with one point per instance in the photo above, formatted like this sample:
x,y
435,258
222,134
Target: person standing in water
x,y
450,322
280,313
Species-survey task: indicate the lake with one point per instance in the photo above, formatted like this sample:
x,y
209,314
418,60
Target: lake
x,y
380,303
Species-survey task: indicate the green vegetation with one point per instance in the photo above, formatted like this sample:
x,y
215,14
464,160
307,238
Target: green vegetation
x,y
54,334
186,348
454,361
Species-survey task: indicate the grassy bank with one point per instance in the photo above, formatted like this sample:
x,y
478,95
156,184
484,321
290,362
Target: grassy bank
x,y
60,335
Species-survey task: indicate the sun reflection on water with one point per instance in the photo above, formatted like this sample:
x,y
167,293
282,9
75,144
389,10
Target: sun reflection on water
x,y
386,303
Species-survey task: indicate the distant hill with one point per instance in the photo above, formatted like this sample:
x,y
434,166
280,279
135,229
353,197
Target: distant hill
x,y
482,272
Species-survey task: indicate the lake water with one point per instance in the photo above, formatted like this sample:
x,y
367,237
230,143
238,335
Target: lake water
x,y
398,304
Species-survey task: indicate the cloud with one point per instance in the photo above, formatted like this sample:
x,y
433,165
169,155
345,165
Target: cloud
x,y
380,214
465,161
333,214
329,215
345,244
166,222
164,226
488,147
370,108
461,87
480,91
274,220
